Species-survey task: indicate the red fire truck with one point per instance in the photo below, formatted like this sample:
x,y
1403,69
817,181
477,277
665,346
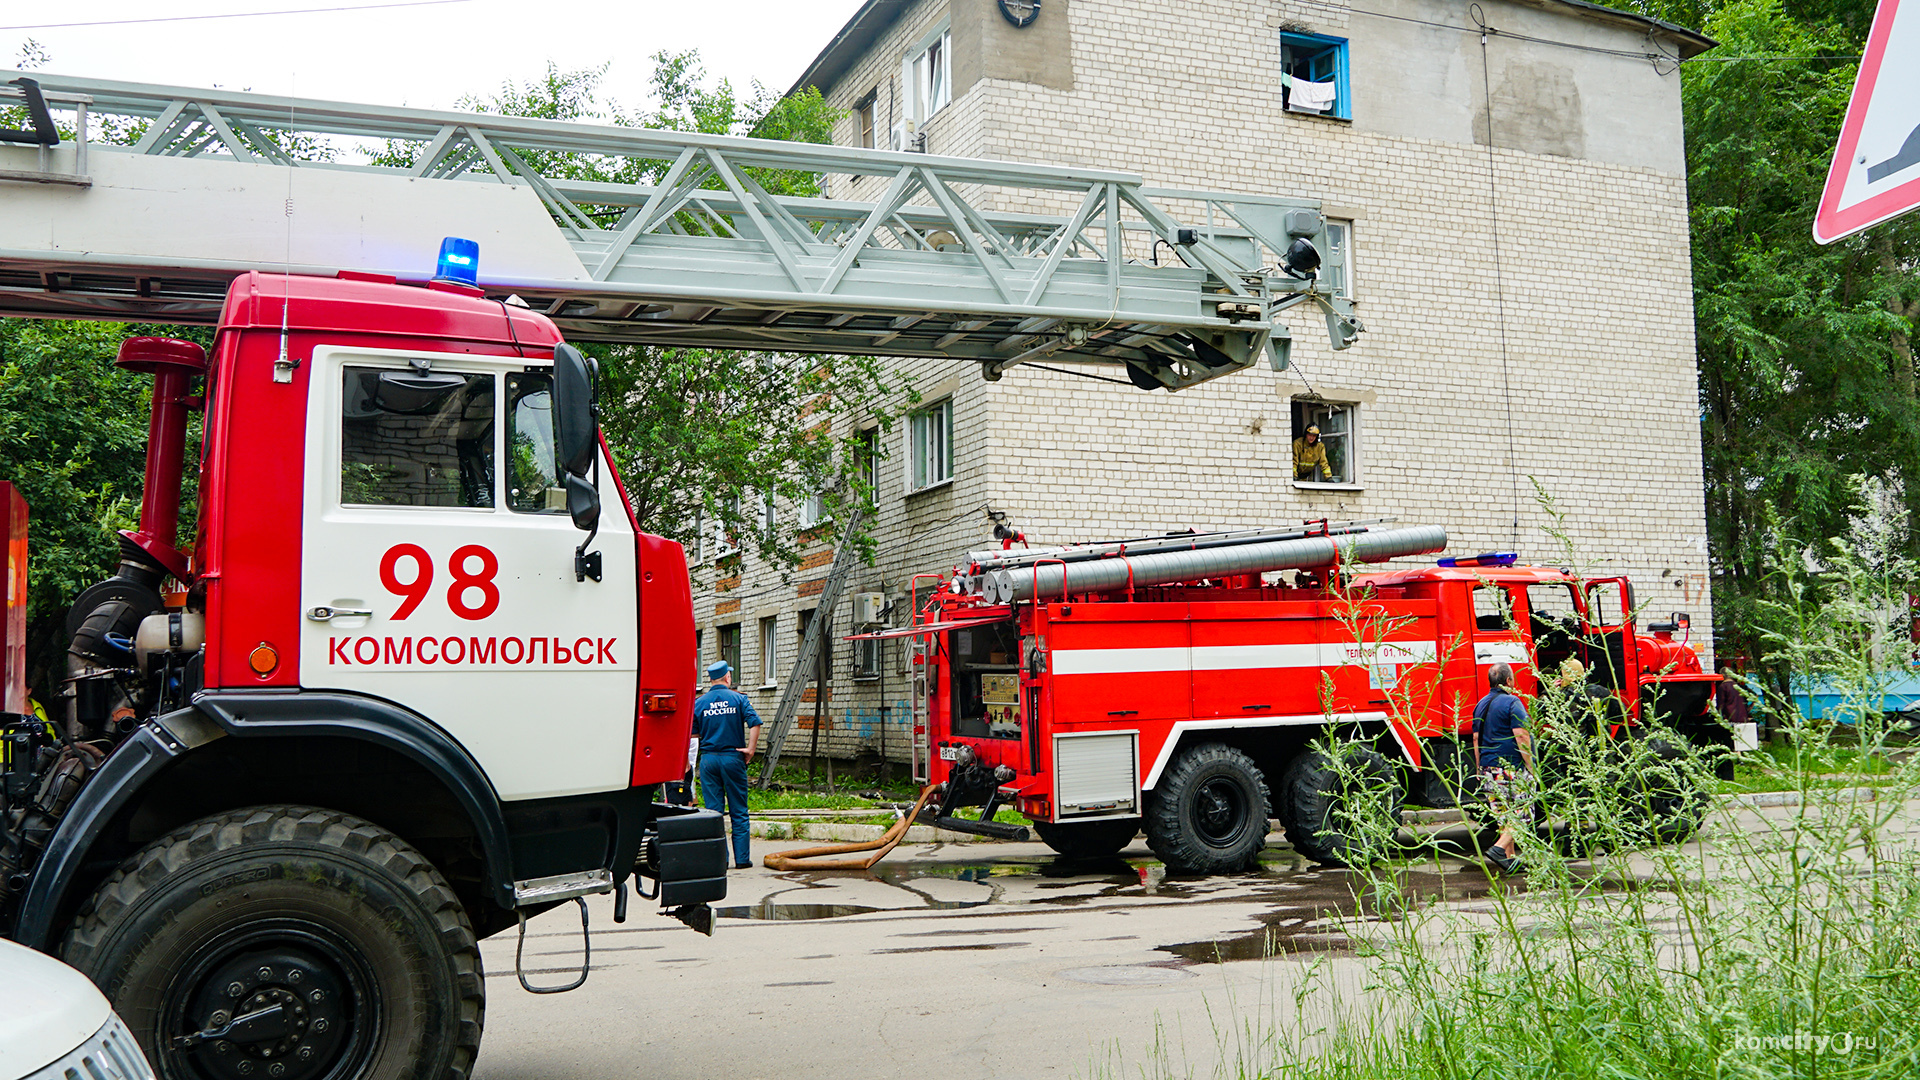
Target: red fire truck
x,y
1168,684
405,685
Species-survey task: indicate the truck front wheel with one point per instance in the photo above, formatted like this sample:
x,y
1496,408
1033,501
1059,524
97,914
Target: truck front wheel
x,y
1209,813
1088,839
286,943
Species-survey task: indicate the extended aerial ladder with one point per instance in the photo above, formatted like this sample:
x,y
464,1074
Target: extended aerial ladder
x,y
995,262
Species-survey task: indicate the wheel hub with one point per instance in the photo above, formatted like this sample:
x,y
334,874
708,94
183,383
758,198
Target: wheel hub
x,y
268,1014
1218,810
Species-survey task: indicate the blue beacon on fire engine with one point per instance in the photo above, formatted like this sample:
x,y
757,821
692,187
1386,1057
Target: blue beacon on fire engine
x,y
459,261
1492,558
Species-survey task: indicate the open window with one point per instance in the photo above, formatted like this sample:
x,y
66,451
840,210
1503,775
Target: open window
x,y
1492,609
926,87
1325,443
1336,263
930,439
1313,75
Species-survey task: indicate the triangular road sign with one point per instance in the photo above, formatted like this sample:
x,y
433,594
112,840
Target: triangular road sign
x,y
1876,168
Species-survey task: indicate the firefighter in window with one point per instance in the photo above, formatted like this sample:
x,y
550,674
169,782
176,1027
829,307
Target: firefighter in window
x,y
1310,457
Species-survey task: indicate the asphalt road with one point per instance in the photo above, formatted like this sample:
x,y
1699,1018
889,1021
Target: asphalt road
x,y
962,961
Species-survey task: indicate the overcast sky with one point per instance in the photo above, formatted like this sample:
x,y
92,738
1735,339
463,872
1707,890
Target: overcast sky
x,y
425,56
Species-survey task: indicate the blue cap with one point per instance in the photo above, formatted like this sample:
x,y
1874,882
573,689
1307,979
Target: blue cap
x,y
719,669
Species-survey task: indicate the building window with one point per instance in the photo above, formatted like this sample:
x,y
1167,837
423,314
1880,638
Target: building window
x,y
1336,263
930,431
821,658
730,648
725,540
866,658
926,79
1330,455
866,451
699,656
813,510
864,118
769,640
1313,75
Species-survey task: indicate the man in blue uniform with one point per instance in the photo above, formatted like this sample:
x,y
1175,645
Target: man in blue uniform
x,y
728,728
1503,752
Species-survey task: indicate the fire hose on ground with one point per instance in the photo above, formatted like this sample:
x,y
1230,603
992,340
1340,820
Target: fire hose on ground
x,y
792,860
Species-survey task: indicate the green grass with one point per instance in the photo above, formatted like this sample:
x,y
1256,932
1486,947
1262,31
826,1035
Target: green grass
x,y
1784,768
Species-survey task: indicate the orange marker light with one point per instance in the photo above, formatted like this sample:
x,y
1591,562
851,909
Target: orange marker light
x,y
263,659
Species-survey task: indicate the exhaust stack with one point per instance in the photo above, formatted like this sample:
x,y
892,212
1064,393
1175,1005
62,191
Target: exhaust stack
x,y
173,365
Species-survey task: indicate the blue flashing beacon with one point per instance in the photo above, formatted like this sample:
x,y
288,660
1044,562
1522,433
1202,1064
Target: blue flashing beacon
x,y
1491,558
459,261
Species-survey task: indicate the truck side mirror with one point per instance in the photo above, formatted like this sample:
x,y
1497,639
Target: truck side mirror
x,y
576,425
583,503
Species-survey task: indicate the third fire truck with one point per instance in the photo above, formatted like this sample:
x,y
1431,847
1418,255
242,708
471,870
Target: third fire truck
x,y
1175,685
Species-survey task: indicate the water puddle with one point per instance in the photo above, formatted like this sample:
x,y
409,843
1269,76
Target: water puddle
x,y
977,946
767,909
1304,919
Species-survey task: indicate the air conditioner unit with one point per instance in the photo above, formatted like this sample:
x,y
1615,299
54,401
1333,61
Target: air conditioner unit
x,y
905,137
868,608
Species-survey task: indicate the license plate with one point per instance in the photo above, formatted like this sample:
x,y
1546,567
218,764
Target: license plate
x,y
949,753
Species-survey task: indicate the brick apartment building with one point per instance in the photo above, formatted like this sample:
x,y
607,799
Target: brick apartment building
x,y
1512,224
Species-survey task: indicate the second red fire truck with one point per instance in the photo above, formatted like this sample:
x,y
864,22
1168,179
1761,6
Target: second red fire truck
x,y
1175,685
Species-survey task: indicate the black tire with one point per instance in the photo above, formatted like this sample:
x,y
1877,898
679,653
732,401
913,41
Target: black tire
x,y
1088,839
1209,813
1312,789
322,913
1662,794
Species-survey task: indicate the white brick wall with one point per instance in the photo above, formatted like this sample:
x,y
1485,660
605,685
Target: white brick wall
x,y
1594,390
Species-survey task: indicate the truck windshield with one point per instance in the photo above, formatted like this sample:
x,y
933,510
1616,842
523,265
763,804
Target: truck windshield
x,y
986,681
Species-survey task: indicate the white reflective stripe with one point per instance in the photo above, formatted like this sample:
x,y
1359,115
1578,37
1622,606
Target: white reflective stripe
x,y
1233,657
1239,657
1113,661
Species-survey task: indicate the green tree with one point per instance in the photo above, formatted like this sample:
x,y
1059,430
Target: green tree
x,y
704,437
73,437
1807,379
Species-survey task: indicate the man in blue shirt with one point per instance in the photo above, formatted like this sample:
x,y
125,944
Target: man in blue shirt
x,y
1503,752
728,728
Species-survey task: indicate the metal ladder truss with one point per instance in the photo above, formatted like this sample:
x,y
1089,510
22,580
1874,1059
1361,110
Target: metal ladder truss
x,y
656,237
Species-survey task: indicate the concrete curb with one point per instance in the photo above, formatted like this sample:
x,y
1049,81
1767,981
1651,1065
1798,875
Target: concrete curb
x,y
927,834
1758,799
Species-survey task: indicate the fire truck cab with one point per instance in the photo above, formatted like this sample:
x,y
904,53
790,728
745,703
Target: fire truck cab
x,y
417,675
1181,691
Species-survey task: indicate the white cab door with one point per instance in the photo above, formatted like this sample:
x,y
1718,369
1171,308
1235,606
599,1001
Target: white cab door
x,y
437,568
